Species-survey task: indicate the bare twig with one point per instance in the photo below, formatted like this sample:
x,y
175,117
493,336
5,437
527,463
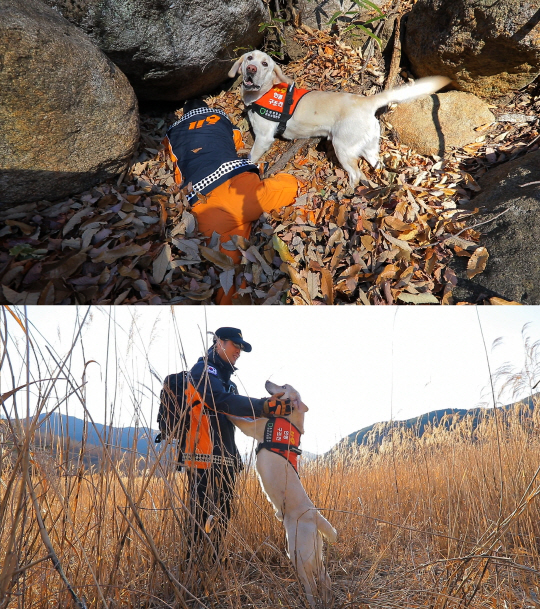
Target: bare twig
x,y
421,247
369,49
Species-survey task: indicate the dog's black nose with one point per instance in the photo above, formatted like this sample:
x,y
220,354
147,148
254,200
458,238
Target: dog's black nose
x,y
251,69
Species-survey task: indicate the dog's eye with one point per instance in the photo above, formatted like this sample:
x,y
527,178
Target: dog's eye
x,y
265,64
250,57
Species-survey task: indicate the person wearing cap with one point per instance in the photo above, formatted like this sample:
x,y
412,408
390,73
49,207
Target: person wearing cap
x,y
211,482
203,146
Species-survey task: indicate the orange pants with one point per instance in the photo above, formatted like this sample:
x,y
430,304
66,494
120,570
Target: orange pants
x,y
234,205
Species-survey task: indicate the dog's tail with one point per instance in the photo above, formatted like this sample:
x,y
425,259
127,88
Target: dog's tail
x,y
326,529
423,86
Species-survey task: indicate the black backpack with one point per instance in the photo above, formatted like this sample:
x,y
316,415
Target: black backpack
x,y
173,414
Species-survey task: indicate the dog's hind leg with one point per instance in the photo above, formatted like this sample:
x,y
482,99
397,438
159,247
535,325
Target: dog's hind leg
x,y
302,548
305,549
325,583
351,166
317,582
325,586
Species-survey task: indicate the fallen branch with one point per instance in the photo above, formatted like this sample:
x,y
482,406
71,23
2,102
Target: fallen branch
x,y
280,164
396,52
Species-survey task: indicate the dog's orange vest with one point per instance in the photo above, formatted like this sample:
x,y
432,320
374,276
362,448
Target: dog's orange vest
x,y
283,438
272,104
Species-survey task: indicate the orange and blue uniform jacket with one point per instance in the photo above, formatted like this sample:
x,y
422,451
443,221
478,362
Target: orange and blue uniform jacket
x,y
203,147
212,439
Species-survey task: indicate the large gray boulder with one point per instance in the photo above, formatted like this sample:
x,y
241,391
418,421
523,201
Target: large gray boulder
x,y
510,199
435,123
68,116
169,49
486,47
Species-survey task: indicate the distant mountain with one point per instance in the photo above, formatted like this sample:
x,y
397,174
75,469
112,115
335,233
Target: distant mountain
x,y
125,438
59,426
374,435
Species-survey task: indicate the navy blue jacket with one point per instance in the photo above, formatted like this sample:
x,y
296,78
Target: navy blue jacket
x,y
213,381
203,147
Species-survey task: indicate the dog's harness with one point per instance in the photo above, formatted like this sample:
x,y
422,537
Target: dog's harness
x,y
279,104
283,438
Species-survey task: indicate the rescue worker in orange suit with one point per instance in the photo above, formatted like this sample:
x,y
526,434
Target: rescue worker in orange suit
x,y
211,476
203,146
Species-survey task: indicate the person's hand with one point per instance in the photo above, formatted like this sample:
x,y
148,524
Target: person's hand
x,y
275,407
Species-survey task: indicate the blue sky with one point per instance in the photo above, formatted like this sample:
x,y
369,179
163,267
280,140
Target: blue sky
x,y
353,365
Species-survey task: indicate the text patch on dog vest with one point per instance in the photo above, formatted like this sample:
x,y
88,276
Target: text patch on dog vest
x,y
271,104
283,438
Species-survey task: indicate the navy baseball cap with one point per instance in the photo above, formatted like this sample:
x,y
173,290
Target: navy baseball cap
x,y
235,336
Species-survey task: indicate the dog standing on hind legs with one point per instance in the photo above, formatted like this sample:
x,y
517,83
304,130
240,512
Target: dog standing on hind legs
x,y
276,465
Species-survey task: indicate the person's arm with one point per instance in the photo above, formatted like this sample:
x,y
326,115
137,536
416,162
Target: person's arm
x,y
213,393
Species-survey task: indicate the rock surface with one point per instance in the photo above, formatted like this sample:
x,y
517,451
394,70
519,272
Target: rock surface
x,y
433,123
169,50
68,117
512,239
487,48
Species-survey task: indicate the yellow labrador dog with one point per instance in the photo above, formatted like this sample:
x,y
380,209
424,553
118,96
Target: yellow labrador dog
x,y
346,119
303,523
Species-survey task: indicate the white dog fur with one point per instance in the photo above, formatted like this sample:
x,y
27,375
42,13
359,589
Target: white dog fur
x,y
346,119
303,523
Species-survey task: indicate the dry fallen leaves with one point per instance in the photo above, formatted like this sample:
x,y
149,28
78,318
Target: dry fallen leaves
x,y
136,240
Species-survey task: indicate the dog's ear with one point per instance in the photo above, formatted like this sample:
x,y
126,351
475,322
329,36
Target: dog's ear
x,y
279,77
301,407
236,67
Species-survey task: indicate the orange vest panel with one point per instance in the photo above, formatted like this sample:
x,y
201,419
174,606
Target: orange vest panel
x,y
270,105
199,437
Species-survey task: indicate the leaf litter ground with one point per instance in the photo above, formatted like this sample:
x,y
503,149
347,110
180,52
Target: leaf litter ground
x,y
135,240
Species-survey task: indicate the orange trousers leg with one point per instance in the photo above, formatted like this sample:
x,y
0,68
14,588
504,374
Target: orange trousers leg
x,y
234,205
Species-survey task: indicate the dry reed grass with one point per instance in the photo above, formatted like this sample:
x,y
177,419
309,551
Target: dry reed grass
x,y
451,519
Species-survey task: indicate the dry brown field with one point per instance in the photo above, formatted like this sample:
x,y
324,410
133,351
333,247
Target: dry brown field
x,y
447,520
